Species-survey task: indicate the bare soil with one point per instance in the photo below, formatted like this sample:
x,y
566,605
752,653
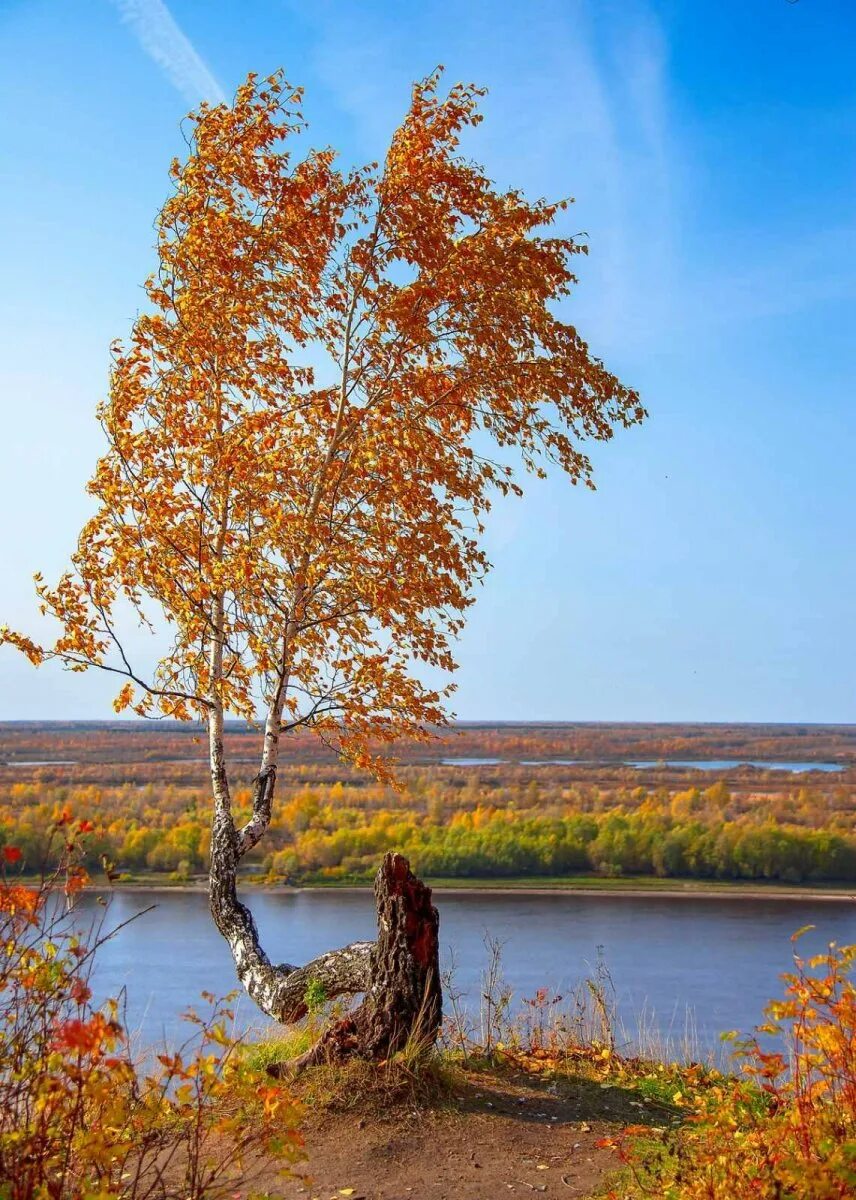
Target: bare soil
x,y
509,1136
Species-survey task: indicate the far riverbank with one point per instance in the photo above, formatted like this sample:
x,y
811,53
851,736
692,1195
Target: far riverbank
x,y
639,888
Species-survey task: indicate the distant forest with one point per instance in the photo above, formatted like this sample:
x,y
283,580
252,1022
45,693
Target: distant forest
x,y
144,789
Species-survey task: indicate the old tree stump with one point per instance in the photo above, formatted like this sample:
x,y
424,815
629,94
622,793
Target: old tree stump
x,y
402,1003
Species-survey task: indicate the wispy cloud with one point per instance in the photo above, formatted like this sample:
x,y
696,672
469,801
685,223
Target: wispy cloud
x,y
156,30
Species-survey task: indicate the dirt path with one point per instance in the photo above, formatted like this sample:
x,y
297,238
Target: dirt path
x,y
506,1138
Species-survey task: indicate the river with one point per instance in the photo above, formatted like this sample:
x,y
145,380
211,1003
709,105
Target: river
x,y
694,964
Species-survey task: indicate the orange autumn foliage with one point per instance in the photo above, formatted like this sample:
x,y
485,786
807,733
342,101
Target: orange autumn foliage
x,y
16,900
786,1126
79,1117
300,427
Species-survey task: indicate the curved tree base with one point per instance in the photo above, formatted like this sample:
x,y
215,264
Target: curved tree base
x,y
403,1000
398,974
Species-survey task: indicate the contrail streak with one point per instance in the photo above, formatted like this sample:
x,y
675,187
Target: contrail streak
x,y
155,29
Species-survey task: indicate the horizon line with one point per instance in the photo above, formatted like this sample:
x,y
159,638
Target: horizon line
x,y
476,723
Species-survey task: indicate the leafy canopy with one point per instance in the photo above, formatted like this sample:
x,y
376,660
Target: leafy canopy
x,y
297,427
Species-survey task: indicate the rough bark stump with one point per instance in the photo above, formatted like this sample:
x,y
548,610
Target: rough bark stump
x,y
403,997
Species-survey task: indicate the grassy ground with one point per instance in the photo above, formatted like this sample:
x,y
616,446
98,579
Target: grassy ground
x,y
473,1124
636,883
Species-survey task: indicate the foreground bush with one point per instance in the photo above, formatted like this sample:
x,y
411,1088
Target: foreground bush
x,y
78,1116
786,1128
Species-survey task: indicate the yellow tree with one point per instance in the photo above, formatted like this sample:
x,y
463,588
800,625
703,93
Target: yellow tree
x,y
300,433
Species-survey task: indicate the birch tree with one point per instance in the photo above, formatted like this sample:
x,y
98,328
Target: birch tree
x,y
336,374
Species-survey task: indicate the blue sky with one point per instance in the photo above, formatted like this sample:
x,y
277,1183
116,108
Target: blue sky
x,y
711,148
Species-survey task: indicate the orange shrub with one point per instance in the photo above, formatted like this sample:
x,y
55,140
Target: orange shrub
x,y
786,1129
78,1118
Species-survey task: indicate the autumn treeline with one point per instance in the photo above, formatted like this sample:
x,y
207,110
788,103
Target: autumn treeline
x,y
339,832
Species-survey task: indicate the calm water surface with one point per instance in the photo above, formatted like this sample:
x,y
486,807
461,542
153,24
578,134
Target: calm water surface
x,y
706,764
716,959
727,764
697,764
